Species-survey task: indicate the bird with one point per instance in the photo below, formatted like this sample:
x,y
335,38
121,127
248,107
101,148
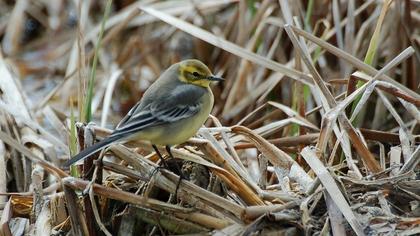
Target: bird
x,y
171,110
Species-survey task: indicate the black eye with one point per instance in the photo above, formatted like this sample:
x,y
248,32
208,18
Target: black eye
x,y
195,73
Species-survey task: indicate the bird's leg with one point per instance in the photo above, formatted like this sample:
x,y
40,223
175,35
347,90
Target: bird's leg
x,y
168,149
160,156
181,175
163,162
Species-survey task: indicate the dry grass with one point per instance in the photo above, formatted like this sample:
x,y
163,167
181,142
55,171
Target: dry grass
x,y
315,130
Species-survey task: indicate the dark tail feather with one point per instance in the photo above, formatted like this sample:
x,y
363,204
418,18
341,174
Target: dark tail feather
x,y
89,151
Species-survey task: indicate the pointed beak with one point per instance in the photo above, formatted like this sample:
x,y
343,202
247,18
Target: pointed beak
x,y
214,78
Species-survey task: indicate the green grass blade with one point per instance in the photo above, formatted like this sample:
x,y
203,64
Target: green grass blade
x,y
370,56
308,15
88,99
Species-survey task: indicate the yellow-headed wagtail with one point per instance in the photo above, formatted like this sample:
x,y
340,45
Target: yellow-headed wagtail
x,y
171,111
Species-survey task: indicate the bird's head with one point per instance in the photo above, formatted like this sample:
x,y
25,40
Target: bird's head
x,y
195,72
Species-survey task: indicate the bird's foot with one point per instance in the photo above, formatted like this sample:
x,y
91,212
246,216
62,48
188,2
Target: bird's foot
x,y
178,169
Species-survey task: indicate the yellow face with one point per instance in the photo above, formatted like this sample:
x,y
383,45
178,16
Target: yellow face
x,y
197,73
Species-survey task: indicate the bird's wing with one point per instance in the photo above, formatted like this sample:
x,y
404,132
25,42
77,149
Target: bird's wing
x,y
181,103
129,115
